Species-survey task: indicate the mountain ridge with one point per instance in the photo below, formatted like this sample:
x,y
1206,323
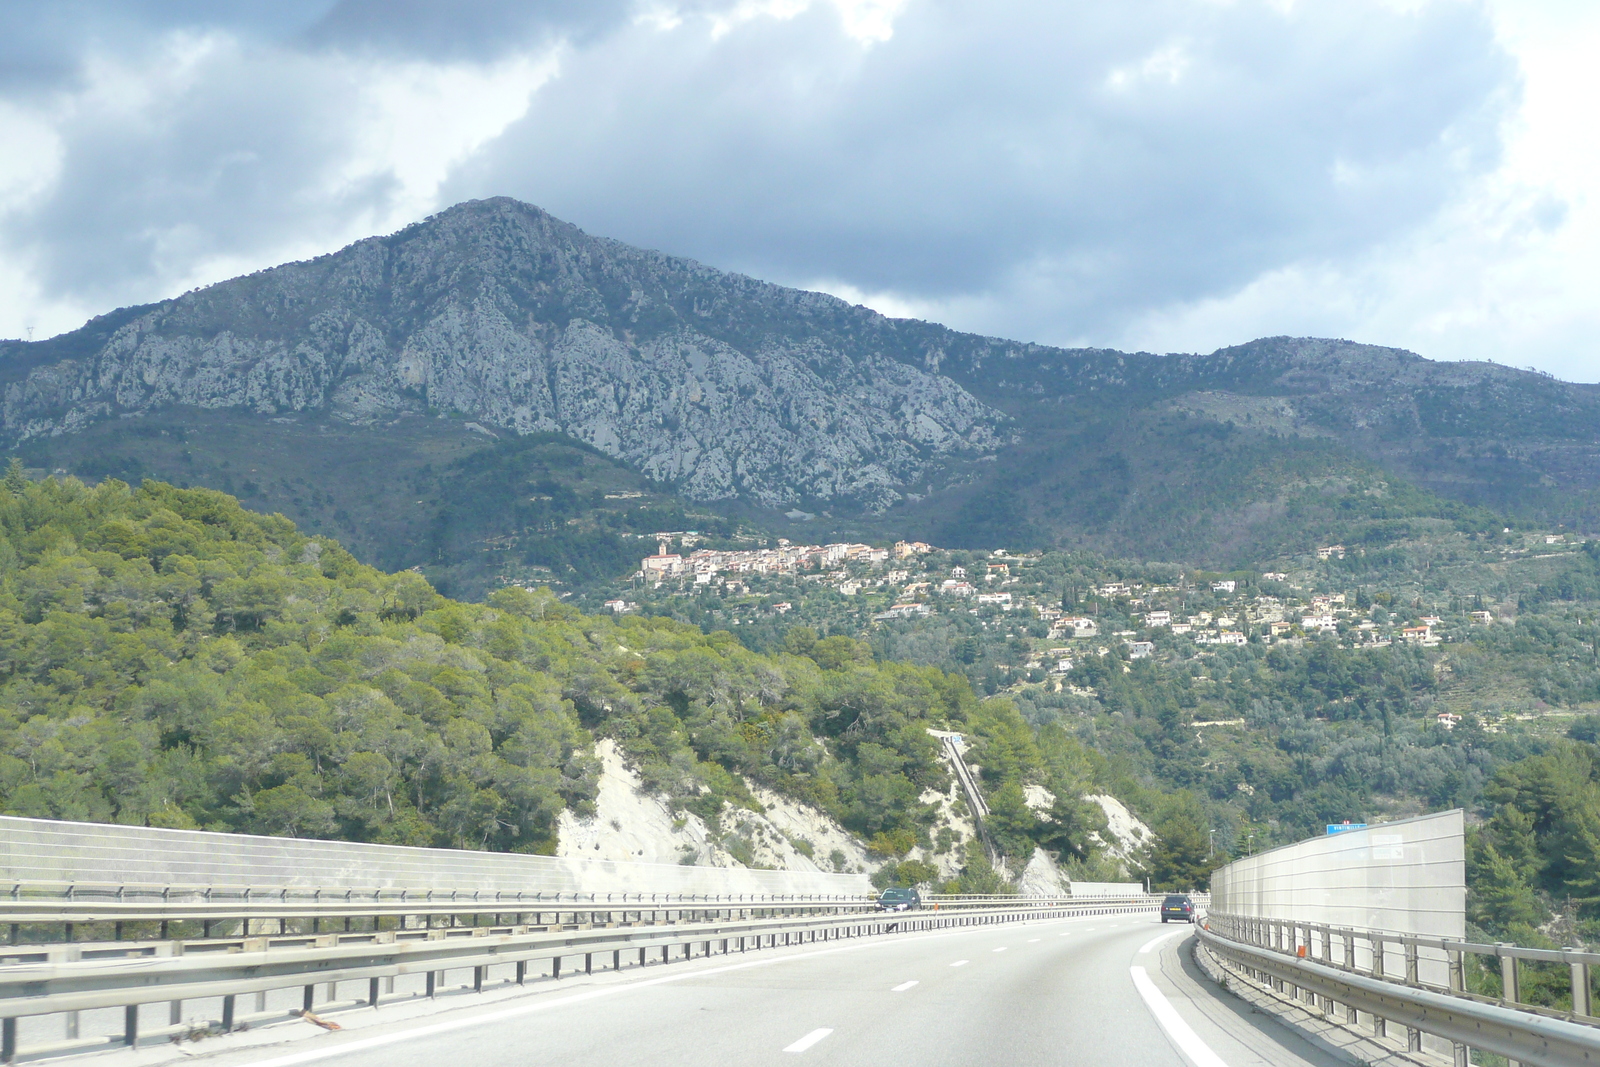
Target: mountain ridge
x,y
723,388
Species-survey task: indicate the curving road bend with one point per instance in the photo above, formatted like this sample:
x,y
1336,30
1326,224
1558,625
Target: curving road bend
x,y
1091,992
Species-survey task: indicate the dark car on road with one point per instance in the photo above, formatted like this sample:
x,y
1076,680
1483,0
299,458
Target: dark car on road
x,y
1178,907
899,900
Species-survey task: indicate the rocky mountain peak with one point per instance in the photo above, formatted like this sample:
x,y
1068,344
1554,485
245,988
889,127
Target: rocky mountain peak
x,y
498,312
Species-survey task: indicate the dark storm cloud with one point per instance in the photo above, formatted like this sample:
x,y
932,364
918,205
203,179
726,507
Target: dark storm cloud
x,y
1065,165
42,42
198,131
451,30
1115,157
145,194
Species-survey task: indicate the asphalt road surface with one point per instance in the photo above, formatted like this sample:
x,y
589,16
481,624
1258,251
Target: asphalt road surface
x,y
1090,992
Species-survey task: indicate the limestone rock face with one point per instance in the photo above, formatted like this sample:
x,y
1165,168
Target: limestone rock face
x,y
494,310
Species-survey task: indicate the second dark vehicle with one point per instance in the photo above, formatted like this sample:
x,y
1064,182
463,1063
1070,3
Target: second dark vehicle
x,y
1177,907
899,900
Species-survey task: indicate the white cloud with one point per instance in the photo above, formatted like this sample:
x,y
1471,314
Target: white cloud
x,y
1166,64
1506,271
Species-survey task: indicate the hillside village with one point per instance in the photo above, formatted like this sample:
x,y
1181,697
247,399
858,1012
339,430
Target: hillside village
x,y
1052,623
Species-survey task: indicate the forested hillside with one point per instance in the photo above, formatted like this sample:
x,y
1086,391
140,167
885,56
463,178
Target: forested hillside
x,y
168,658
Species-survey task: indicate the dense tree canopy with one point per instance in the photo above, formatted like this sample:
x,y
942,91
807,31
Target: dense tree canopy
x,y
168,658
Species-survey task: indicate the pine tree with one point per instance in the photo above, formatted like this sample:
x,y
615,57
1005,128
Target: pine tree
x,y
16,477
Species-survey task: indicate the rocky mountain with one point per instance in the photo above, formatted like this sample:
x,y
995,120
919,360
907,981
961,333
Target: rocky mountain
x,y
1263,447
497,311
502,321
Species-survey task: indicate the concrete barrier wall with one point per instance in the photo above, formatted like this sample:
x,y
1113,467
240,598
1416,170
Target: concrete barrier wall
x,y
42,850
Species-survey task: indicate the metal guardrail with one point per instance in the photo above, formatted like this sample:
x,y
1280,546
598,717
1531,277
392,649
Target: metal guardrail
x,y
167,973
1299,959
76,911
19,891
1318,941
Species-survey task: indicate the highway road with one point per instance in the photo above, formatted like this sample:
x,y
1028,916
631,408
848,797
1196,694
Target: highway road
x,y
1090,992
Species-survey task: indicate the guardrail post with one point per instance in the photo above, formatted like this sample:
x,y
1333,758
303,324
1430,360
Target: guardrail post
x,y
174,1012
308,997
130,1025
227,1013
432,983
8,1040
1508,973
1380,1026
372,992
1582,992
1327,958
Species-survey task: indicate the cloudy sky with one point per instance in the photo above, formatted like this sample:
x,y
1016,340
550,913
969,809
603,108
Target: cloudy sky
x,y
1173,175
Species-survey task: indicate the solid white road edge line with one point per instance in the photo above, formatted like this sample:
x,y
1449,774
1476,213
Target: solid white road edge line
x,y
1154,941
903,986
1179,1032
810,1039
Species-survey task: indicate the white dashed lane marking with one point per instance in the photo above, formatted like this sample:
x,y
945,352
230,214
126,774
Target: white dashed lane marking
x,y
959,963
903,986
810,1039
